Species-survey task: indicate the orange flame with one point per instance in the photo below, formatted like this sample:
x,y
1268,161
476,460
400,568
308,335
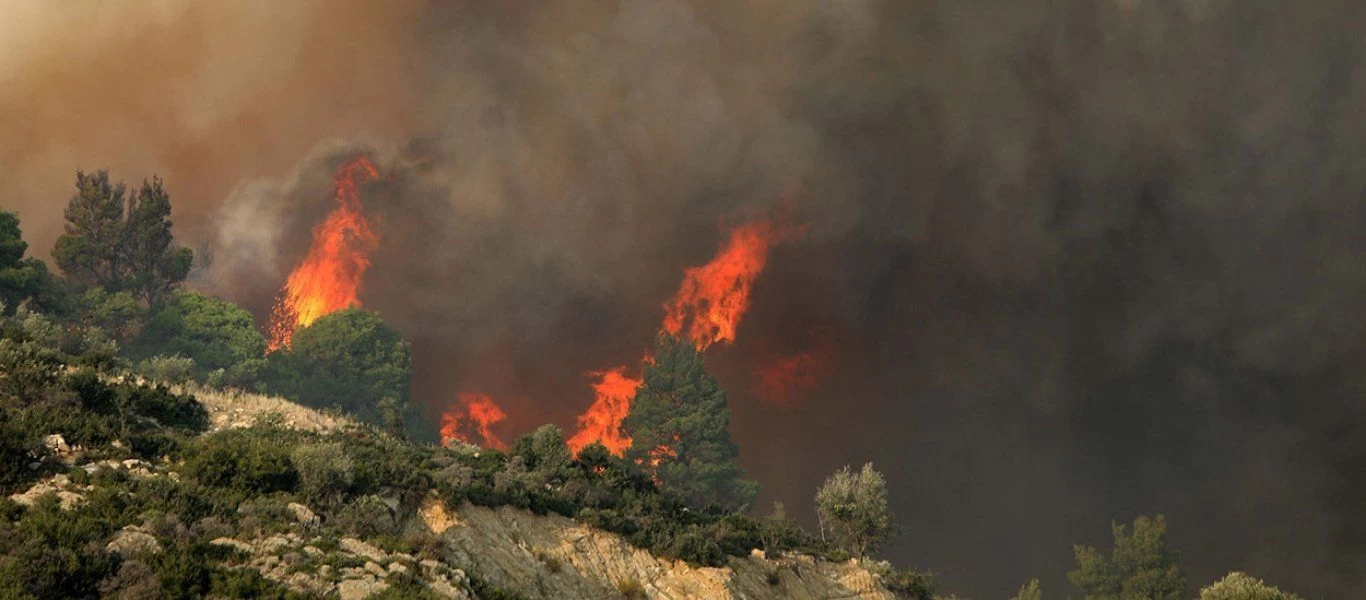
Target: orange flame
x,y
602,422
714,296
330,275
708,305
473,413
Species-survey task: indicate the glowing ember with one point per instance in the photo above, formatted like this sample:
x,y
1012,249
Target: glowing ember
x,y
473,414
330,275
713,297
602,422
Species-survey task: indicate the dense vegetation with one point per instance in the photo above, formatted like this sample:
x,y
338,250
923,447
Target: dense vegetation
x,y
69,401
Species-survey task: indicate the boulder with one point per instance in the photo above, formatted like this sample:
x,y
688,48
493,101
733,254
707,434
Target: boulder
x,y
359,589
133,540
363,550
303,514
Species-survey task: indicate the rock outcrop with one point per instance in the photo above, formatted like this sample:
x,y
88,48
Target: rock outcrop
x,y
554,557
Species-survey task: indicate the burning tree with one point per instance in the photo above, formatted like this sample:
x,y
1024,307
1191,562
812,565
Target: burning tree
x,y
679,426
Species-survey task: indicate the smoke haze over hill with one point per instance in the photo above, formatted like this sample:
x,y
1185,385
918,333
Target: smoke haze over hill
x,y
1063,261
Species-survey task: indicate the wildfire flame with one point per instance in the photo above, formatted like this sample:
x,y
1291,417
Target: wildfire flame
x,y
602,422
473,414
714,296
330,275
708,307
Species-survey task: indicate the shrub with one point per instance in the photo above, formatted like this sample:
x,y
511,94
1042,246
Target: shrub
x,y
246,461
174,369
366,516
1241,586
325,472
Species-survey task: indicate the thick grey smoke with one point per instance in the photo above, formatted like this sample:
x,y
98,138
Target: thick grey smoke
x,y
1066,261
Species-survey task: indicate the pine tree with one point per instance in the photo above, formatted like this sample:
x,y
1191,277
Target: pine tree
x,y
20,278
1140,566
680,429
121,243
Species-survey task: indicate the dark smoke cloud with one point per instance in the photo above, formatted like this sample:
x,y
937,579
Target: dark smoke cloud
x,y
1077,260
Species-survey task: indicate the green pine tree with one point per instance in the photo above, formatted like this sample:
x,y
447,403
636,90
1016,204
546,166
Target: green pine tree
x,y
680,429
121,243
20,278
1141,566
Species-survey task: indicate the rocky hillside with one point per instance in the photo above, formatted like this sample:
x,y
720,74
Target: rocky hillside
x,y
405,545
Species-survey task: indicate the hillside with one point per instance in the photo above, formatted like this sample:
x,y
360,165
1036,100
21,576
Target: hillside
x,y
148,491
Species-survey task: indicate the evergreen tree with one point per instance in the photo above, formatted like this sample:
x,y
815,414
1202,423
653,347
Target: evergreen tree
x,y
679,425
20,278
121,243
352,360
1140,566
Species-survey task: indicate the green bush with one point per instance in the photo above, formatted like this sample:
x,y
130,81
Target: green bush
x,y
248,461
325,472
214,334
366,516
349,359
1241,586
175,369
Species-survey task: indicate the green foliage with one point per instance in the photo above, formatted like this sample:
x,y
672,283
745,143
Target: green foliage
x,y
1030,591
51,553
853,508
175,369
348,359
680,425
325,472
121,242
18,447
1140,565
214,333
366,516
117,313
20,278
910,585
1241,586
544,452
249,461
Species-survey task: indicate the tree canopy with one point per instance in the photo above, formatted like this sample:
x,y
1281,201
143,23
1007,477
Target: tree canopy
x,y
349,359
121,243
679,425
853,508
20,278
1140,566
1241,586
215,333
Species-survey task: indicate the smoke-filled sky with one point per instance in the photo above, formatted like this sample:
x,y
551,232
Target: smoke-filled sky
x,y
1065,261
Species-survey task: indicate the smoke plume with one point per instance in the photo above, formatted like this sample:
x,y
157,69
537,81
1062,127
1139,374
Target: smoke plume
x,y
1063,261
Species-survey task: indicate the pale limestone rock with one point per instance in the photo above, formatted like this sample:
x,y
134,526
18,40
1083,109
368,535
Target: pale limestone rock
x,y
362,549
302,514
227,541
374,569
132,540
359,589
